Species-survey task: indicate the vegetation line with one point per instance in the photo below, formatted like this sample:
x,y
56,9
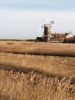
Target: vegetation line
x,y
39,54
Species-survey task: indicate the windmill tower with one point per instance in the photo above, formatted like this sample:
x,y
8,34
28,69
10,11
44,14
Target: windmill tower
x,y
47,31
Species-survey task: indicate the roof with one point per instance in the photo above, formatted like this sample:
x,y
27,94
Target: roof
x,y
58,35
66,34
61,35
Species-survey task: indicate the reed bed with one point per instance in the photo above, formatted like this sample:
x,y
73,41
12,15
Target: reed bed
x,y
52,65
34,86
37,77
55,49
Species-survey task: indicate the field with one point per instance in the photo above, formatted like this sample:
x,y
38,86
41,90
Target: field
x,y
37,71
36,48
34,86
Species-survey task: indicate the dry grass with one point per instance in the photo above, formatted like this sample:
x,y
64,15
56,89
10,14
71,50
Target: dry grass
x,y
34,86
58,49
52,65
37,77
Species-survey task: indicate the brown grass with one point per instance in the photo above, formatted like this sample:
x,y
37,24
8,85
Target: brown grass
x,y
58,49
34,86
37,77
52,65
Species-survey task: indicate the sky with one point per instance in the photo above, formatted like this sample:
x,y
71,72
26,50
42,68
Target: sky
x,y
23,19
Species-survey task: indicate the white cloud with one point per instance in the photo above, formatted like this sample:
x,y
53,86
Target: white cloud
x,y
24,24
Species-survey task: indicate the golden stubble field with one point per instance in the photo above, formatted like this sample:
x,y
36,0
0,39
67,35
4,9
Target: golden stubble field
x,y
37,71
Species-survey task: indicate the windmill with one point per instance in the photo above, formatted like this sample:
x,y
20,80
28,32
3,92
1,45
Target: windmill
x,y
47,31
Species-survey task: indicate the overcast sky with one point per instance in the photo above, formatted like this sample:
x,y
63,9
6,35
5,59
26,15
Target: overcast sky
x,y
24,18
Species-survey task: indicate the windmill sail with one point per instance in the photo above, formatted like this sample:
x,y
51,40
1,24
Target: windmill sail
x,y
52,22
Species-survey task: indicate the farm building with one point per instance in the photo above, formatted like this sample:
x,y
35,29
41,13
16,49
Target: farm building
x,y
69,35
61,36
58,37
48,36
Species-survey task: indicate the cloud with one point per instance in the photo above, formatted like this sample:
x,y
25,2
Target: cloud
x,y
27,24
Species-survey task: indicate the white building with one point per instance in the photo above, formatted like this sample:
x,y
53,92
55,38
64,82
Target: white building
x,y
69,35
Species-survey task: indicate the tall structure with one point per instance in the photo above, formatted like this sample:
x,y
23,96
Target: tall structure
x,y
47,31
